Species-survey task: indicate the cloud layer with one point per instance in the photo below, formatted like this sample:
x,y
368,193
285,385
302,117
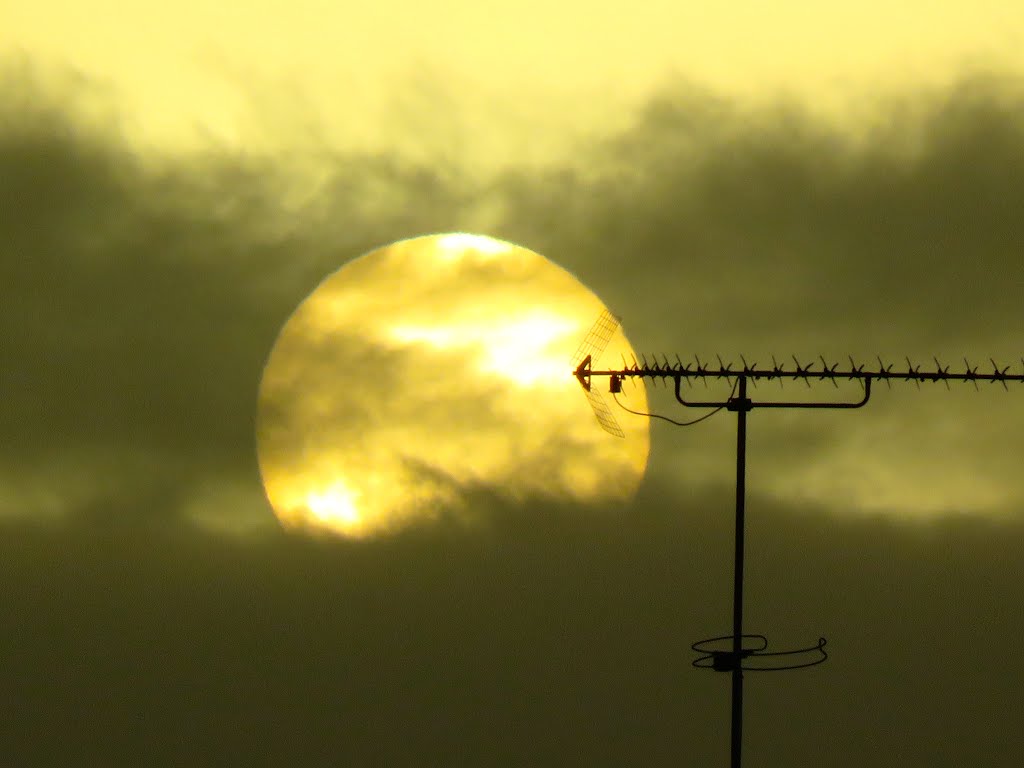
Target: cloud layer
x,y
142,295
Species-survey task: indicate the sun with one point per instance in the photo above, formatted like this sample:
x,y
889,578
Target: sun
x,y
335,507
429,369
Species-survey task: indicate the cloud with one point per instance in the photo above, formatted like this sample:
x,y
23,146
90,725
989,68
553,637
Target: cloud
x,y
718,228
144,292
142,295
875,232
550,634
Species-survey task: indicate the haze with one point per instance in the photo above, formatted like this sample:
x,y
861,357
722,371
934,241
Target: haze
x,y
767,180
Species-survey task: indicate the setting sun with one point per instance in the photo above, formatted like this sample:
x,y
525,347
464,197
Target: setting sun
x,y
430,366
335,507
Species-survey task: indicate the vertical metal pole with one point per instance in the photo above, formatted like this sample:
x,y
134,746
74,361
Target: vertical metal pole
x,y
742,406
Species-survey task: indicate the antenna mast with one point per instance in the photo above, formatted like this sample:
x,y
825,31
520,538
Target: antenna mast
x,y
739,652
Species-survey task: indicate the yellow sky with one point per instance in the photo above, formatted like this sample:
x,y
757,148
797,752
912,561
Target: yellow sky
x,y
264,72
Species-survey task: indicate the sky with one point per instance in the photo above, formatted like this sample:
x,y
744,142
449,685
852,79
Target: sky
x,y
757,180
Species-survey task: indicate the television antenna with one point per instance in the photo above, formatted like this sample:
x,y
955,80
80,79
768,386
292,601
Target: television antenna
x,y
737,653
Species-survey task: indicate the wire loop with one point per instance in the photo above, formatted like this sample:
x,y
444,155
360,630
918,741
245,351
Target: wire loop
x,y
725,659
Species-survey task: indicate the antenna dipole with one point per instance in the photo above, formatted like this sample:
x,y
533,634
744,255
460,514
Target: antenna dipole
x,y
738,653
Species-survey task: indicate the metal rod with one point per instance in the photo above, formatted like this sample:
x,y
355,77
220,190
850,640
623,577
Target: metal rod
x,y
741,405
884,373
773,404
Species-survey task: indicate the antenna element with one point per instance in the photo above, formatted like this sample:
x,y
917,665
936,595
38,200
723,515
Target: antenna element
x,y
590,349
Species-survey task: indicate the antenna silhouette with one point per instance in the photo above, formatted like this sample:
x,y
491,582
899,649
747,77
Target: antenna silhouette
x,y
738,653
593,345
